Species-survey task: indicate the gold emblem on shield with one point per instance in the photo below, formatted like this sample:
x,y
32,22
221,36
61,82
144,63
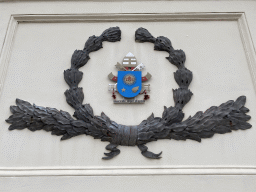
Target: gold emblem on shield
x,y
129,79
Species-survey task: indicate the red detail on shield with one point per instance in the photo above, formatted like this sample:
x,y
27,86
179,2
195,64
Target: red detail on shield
x,y
144,79
146,97
113,95
114,78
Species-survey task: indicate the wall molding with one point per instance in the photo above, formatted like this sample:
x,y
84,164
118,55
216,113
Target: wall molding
x,y
7,50
128,17
108,0
126,171
5,55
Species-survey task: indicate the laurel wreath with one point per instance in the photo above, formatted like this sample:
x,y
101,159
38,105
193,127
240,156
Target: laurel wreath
x,y
223,119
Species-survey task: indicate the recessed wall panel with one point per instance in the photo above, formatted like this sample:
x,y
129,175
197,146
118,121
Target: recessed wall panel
x,y
42,51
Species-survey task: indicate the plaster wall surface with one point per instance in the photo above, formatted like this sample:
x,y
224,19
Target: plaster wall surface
x,y
219,53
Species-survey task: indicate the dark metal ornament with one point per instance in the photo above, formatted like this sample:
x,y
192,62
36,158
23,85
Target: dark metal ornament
x,y
223,119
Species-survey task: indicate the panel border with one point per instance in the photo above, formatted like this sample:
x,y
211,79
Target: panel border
x,y
5,55
126,171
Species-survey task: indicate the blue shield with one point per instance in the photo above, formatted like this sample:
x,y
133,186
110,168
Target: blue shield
x,y
129,83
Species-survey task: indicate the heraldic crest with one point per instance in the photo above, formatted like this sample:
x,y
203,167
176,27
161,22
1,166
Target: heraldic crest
x,y
129,81
225,118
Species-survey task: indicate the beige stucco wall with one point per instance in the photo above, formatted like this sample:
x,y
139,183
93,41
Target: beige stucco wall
x,y
220,53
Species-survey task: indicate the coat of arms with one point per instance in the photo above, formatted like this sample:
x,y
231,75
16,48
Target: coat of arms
x,y
129,81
